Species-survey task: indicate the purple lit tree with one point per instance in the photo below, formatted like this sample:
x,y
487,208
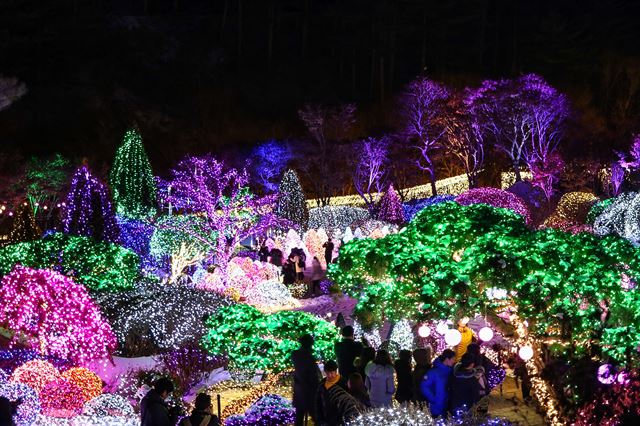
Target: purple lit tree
x,y
617,177
369,159
269,161
546,173
391,207
88,208
525,117
204,186
422,105
465,138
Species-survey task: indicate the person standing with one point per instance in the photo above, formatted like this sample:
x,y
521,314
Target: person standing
x,y
379,380
327,411
467,337
263,253
328,251
465,387
347,351
422,357
435,386
153,408
306,377
402,366
367,355
358,390
316,276
202,413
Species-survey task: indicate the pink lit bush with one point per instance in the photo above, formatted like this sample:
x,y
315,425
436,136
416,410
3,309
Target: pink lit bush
x,y
36,374
61,398
56,314
496,198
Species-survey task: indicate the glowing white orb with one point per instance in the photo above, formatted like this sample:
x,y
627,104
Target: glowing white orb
x,y
525,353
622,378
442,327
452,337
485,334
424,330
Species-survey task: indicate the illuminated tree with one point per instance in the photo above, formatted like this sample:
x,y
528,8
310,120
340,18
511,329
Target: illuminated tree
x,y
525,116
496,198
24,226
131,179
464,137
422,106
269,161
546,173
56,313
203,185
326,127
43,180
391,207
88,211
292,203
253,340
96,264
368,170
568,287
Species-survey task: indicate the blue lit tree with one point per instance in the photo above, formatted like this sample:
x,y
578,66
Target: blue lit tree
x,y
269,160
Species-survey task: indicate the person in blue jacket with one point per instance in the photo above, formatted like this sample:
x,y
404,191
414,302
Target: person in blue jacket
x,y
435,385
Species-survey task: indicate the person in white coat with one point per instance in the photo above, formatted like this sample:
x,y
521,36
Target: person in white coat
x,y
380,380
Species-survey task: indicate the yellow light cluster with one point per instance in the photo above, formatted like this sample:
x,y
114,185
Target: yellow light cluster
x,y
453,185
240,405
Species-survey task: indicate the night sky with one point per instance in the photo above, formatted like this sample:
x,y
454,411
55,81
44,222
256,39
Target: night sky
x,y
221,75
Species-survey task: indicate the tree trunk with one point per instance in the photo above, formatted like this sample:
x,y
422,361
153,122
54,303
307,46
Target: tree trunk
x,y
432,178
516,169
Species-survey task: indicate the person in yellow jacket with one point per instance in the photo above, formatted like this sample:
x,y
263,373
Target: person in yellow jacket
x,y
467,337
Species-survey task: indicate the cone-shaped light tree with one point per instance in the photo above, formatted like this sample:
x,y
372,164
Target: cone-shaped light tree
x,y
391,207
131,179
89,210
24,226
292,204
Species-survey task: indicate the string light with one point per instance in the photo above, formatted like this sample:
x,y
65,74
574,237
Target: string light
x,y
390,209
58,312
240,405
98,265
332,218
256,341
496,198
413,207
402,336
61,398
170,316
291,202
108,405
35,374
269,409
86,380
419,415
131,179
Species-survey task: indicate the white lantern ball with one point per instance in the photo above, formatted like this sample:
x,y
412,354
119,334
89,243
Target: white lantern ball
x,y
485,334
452,337
424,330
442,327
526,353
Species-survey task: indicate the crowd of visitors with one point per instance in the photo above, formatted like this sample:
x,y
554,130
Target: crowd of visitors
x,y
363,377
